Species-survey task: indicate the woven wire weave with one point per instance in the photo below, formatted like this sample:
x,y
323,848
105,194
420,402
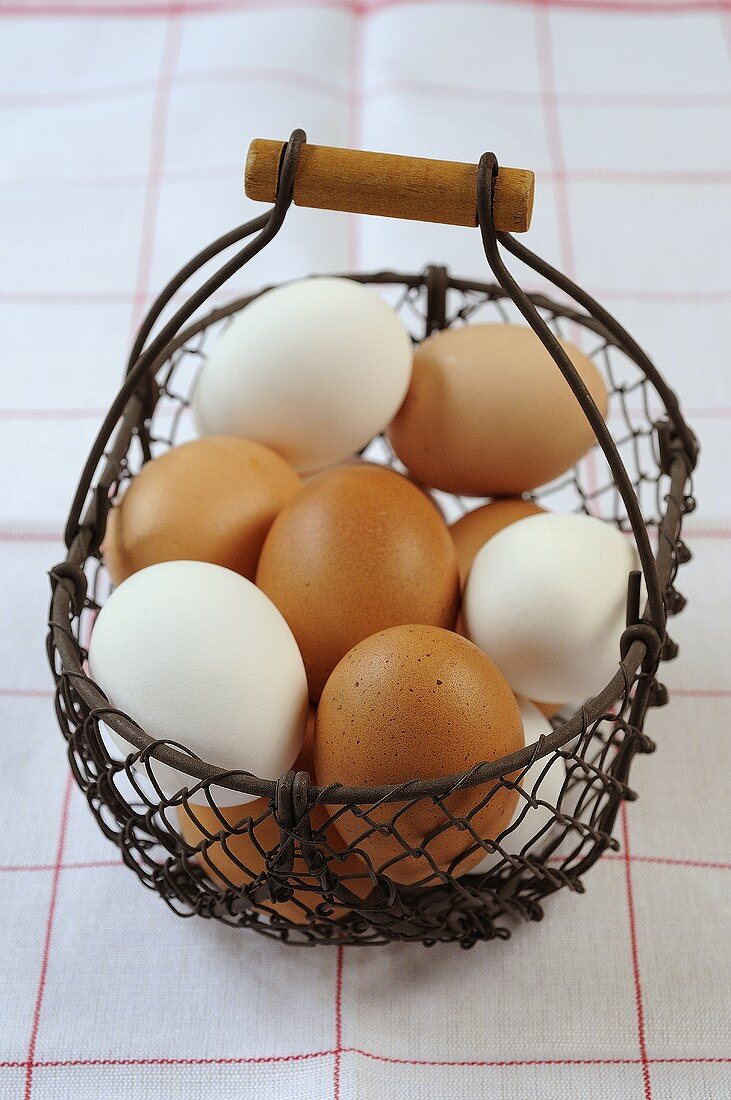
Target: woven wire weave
x,y
294,880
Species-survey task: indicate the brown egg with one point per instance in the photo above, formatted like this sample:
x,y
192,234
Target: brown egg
x,y
488,412
213,499
472,531
356,460
417,702
222,858
359,549
549,709
304,762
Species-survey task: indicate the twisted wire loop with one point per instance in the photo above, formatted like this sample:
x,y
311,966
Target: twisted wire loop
x,y
277,862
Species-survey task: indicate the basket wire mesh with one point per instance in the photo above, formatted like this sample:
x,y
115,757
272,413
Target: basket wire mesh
x,y
277,864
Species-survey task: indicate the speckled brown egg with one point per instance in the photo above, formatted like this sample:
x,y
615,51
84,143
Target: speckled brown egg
x,y
212,499
488,412
358,549
417,702
472,531
237,859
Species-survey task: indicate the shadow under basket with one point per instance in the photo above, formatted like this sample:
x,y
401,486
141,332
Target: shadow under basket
x,y
276,864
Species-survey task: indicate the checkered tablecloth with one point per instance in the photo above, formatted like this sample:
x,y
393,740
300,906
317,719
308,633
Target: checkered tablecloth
x,y
124,128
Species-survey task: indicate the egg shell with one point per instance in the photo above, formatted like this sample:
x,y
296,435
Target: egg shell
x,y
236,859
488,412
196,654
472,530
358,460
416,702
358,549
546,598
544,780
549,710
208,500
313,369
349,460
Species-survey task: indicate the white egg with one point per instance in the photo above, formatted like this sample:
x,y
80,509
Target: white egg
x,y
546,599
544,781
312,369
197,654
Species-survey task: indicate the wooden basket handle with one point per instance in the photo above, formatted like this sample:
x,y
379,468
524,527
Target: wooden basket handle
x,y
390,186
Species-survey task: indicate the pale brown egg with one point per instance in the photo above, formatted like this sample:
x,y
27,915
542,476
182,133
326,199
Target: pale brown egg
x,y
488,412
359,549
417,702
237,859
212,499
472,531
550,710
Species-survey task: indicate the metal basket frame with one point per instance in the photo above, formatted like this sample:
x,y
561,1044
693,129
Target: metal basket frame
x,y
448,906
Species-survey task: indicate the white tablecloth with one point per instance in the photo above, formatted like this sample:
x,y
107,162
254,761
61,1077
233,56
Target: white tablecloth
x,y
124,128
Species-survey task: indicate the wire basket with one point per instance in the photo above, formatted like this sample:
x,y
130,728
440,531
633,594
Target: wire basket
x,y
276,865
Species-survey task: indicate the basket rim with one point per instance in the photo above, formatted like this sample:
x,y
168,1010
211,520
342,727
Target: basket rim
x,y
246,783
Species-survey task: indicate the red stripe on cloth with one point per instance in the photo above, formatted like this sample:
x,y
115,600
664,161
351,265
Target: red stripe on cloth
x,y
707,533
26,693
639,1004
76,866
31,536
559,169
291,77
645,99
497,1063
395,86
253,1061
177,8
65,297
636,175
702,864
200,173
669,860
356,7
338,1020
535,1061
624,294
681,297
700,693
355,130
515,96
61,1063
693,412
477,1062
52,414
72,96
692,693
160,112
47,941
726,31
552,124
